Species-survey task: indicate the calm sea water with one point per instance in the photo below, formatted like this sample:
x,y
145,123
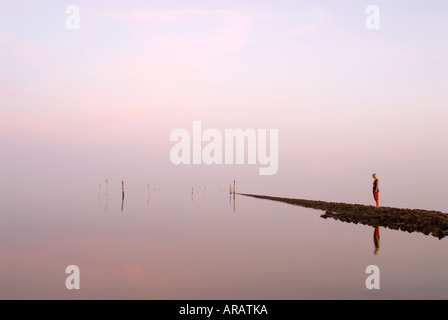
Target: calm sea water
x,y
166,244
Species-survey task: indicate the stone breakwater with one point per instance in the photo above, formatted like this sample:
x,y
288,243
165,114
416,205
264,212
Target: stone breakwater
x,y
428,222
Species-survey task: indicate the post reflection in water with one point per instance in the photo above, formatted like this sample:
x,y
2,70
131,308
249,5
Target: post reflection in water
x,y
107,194
376,239
100,197
230,201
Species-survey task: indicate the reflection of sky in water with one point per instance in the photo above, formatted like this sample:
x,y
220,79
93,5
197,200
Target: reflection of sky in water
x,y
175,247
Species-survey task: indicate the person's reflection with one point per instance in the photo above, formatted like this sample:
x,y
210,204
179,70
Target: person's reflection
x,y
376,239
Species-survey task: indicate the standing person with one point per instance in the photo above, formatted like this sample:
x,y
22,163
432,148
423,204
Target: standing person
x,y
376,190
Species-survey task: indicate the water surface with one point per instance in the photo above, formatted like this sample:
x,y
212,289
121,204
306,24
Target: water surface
x,y
166,244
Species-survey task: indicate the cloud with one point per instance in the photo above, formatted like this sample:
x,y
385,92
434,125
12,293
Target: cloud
x,y
311,19
159,15
225,31
301,29
26,53
170,16
231,36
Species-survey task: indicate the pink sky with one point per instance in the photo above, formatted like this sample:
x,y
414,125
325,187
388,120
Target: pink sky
x,y
346,101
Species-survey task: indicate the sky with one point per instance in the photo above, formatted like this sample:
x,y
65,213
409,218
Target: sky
x,y
78,106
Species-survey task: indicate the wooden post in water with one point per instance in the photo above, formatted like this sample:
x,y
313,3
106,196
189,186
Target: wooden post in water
x,y
233,186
